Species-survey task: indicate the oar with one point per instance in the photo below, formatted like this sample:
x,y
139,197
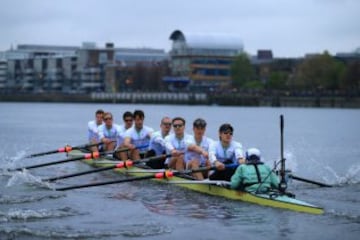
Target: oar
x,y
159,175
67,148
118,165
309,181
84,156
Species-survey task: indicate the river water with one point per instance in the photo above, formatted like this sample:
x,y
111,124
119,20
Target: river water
x,y
320,144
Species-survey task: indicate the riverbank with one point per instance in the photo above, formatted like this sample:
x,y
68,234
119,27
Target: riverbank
x,y
230,99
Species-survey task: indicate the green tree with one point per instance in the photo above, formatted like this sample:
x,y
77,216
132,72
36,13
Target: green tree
x,y
351,80
242,72
277,80
319,72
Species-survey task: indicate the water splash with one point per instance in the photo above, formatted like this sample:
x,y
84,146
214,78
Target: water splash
x,y
291,161
352,176
24,177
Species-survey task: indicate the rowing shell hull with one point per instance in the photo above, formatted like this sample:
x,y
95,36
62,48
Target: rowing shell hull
x,y
277,201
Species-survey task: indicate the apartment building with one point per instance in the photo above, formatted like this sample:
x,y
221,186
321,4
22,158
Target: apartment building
x,y
203,60
88,68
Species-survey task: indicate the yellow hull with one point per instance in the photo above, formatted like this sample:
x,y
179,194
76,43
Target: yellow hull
x,y
277,201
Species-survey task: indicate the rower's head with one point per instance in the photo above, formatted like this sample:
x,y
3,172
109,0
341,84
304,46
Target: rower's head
x,y
253,155
178,124
99,114
165,125
225,133
199,126
138,119
108,119
128,119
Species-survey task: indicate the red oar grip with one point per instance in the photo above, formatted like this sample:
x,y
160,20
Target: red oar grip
x,y
92,155
125,164
166,174
65,149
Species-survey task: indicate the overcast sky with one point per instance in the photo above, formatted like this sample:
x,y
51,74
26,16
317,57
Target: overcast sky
x,y
290,28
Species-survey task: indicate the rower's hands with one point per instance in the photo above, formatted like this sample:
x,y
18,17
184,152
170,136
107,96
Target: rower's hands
x,y
175,153
131,146
219,166
106,140
205,154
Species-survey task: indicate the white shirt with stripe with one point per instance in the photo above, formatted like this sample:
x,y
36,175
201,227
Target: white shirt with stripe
x,y
222,154
204,144
139,138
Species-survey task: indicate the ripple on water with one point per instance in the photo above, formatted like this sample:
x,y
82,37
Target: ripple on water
x,y
31,214
29,198
70,232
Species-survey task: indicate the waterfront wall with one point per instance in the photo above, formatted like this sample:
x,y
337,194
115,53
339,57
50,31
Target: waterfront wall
x,y
189,99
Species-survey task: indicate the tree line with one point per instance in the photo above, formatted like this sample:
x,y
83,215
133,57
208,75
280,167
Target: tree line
x,y
319,73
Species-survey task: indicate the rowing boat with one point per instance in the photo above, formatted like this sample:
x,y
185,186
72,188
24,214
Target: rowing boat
x,y
215,188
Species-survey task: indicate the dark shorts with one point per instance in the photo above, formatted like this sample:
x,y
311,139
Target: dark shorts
x,y
155,164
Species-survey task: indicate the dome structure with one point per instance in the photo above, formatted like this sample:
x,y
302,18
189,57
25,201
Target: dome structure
x,y
208,41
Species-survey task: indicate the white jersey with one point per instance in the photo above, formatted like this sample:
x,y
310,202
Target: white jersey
x,y
112,133
231,153
204,144
140,139
121,135
172,142
93,131
157,143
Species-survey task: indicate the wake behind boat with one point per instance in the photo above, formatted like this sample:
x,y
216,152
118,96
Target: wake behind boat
x,y
216,188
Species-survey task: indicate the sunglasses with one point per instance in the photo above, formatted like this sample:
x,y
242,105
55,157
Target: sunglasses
x,y
178,125
166,124
107,119
228,132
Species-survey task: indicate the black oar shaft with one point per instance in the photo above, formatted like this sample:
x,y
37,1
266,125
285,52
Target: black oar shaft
x,y
48,163
310,181
78,174
42,154
107,168
64,149
106,183
160,175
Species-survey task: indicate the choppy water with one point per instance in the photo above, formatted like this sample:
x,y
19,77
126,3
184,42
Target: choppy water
x,y
320,144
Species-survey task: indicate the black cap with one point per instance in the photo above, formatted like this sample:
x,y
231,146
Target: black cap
x,y
199,123
226,127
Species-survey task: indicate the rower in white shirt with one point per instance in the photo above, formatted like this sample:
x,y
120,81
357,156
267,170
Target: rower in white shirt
x,y
109,132
93,131
176,144
197,147
157,143
128,122
225,151
137,138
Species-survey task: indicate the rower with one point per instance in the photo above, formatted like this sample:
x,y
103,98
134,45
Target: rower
x,y
175,144
157,143
93,132
108,132
128,122
225,151
137,138
254,176
196,154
